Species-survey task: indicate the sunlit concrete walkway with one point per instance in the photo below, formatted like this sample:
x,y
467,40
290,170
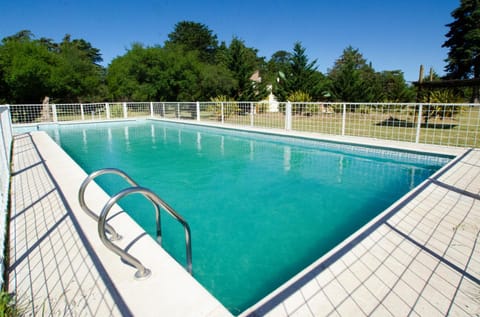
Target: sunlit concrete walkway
x,y
419,258
52,270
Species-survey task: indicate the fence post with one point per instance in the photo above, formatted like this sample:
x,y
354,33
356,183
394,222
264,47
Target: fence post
x,y
125,115
163,109
54,113
82,112
107,110
419,124
151,109
198,110
252,109
222,114
344,118
178,111
288,116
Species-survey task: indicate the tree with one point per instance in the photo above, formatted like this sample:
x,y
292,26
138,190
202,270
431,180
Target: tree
x,y
194,36
243,62
165,73
301,69
32,69
76,76
299,75
25,67
463,61
394,88
277,66
352,79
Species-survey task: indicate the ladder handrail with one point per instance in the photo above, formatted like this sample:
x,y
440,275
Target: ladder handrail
x,y
83,187
142,271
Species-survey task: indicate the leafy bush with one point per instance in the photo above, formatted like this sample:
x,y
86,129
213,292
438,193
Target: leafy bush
x,y
298,99
230,107
116,110
261,107
8,307
443,96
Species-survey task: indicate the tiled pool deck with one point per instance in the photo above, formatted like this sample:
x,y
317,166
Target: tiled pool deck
x,y
420,258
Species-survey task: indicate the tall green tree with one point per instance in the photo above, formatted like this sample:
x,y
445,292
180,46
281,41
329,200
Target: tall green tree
x,y
25,69
352,79
394,88
297,74
463,41
277,66
76,76
302,70
31,69
165,73
243,62
194,36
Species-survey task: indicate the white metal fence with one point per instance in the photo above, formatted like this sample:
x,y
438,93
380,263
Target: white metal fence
x,y
5,150
444,124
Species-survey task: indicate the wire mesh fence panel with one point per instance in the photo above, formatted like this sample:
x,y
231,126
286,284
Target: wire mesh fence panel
x,y
29,113
383,121
315,117
187,111
138,109
170,110
67,112
5,159
456,125
237,113
211,111
158,109
267,115
115,110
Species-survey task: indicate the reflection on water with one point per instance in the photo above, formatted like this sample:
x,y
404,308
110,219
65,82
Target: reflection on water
x,y
287,155
222,145
199,141
152,133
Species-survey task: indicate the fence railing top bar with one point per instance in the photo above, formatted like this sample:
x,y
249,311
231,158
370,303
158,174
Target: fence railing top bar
x,y
387,103
255,102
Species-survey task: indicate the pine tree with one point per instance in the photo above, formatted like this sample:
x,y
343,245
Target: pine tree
x,y
299,75
353,79
463,60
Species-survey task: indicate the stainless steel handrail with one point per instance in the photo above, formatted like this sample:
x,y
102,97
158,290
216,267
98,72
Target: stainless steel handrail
x,y
81,195
142,271
81,198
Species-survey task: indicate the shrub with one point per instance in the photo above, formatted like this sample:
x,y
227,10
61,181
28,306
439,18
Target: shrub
x,y
8,307
230,107
298,99
261,107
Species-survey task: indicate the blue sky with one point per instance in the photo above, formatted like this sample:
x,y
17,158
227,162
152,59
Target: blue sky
x,y
390,34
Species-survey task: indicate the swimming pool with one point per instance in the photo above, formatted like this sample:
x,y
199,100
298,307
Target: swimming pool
x,y
261,208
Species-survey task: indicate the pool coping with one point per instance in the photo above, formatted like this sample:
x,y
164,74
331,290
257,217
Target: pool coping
x,y
269,304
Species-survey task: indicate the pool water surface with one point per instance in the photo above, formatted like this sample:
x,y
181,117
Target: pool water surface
x,y
261,208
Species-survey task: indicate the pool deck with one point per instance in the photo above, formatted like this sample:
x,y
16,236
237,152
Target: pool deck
x,y
421,257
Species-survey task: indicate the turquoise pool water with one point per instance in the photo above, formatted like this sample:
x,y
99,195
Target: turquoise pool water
x,y
261,208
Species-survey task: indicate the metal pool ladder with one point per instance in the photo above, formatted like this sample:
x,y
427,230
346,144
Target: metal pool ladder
x,y
142,271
